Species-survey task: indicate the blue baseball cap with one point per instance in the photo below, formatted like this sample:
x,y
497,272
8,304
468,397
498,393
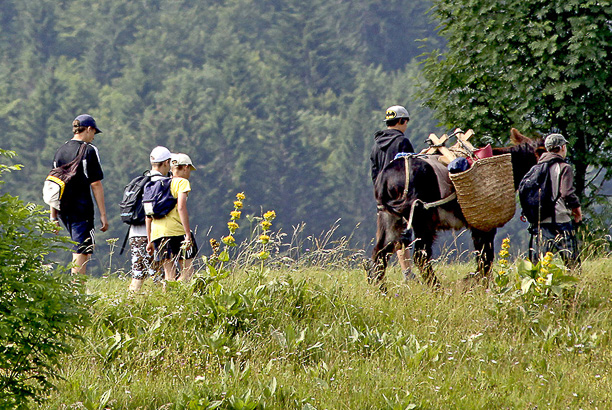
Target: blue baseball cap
x,y
86,120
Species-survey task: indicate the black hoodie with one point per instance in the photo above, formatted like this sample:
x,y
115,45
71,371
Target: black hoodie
x,y
387,143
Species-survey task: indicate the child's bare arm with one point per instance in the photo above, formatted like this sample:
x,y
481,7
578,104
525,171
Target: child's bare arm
x,y
184,214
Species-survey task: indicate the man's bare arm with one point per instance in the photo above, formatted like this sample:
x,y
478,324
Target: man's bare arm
x,y
98,192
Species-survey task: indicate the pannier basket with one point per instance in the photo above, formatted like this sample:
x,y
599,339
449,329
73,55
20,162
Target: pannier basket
x,y
485,192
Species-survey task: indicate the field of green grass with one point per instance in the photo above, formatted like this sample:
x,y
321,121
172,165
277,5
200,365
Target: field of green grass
x,y
322,338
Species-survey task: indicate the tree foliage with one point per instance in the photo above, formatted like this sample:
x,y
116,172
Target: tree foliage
x,y
277,98
534,65
42,310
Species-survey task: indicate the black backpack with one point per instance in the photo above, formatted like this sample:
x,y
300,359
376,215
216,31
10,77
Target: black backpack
x,y
157,198
132,210
536,193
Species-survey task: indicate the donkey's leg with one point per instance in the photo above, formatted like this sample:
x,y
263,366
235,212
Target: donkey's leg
x,y
376,275
485,253
422,258
385,242
378,265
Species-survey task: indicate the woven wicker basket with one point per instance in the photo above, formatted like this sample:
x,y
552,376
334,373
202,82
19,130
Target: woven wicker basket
x,y
485,192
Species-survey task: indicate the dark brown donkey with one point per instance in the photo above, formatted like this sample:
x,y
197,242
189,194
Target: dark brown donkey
x,y
428,183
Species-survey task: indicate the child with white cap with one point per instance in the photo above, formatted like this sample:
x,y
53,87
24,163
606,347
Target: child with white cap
x,y
142,262
170,236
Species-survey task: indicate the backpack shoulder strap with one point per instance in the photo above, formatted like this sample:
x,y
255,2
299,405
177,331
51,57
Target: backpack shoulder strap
x,y
79,157
127,235
81,152
556,197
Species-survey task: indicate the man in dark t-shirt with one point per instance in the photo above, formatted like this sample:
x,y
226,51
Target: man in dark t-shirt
x,y
76,207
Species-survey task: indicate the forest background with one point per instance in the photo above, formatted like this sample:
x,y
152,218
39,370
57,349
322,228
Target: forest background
x,y
279,99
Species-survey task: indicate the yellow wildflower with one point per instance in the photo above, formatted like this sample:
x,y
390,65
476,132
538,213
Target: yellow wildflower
x,y
263,255
270,215
266,225
544,271
506,243
214,244
541,280
229,240
240,196
235,214
232,226
264,238
504,253
238,204
503,261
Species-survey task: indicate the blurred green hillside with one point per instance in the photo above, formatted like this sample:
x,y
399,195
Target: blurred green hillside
x,y
278,99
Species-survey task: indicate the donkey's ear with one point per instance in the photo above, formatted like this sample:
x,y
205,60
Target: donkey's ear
x,y
517,138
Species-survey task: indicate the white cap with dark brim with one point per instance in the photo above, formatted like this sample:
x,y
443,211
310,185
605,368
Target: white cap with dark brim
x,y
182,159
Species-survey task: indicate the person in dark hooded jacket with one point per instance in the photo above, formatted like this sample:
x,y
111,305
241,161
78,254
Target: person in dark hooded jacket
x,y
390,141
387,143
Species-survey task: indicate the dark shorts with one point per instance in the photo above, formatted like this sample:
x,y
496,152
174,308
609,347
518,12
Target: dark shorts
x,y
170,248
83,233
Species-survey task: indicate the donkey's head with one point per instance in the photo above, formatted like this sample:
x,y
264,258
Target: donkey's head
x,y
525,153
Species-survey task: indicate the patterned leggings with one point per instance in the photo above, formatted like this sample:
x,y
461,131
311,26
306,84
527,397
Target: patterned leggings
x,y
142,263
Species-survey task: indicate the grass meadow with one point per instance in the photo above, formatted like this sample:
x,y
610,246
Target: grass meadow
x,y
317,336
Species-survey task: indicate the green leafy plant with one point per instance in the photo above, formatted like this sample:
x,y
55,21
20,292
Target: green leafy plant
x,y
546,281
215,266
43,309
112,346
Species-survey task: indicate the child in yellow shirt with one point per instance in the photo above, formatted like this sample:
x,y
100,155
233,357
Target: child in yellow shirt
x,y
171,237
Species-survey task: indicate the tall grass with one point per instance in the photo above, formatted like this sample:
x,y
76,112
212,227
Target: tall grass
x,y
307,332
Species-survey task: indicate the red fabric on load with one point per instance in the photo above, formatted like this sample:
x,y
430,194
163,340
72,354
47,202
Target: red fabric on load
x,y
480,153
